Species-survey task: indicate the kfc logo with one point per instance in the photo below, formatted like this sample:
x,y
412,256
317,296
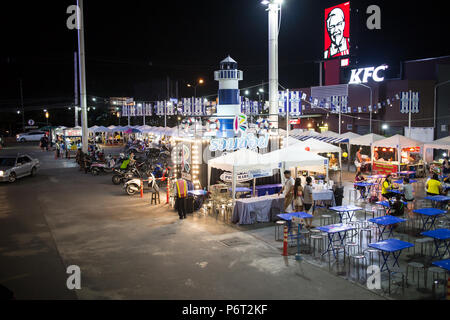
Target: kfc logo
x,y
337,31
367,73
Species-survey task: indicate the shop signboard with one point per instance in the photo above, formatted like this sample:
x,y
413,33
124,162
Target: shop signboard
x,y
248,141
385,168
337,31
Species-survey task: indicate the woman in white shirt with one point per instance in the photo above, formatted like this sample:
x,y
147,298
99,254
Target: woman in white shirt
x,y
408,194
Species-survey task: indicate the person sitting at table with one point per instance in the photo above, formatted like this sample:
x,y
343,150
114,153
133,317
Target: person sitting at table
x,y
386,186
288,191
397,208
434,186
360,178
298,195
308,201
408,195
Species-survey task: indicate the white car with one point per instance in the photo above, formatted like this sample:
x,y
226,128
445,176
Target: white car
x,y
14,167
30,136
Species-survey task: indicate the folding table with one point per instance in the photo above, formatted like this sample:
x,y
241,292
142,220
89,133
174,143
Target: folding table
x,y
429,216
332,231
388,247
401,181
387,205
384,222
367,185
436,199
444,264
347,210
288,217
440,237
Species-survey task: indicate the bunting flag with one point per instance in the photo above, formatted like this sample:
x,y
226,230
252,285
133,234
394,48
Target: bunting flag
x,y
294,102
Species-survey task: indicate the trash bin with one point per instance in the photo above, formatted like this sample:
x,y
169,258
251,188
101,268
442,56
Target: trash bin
x,y
339,195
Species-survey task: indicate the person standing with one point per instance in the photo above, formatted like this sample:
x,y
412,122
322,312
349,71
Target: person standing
x,y
181,194
359,160
308,200
446,166
288,191
298,195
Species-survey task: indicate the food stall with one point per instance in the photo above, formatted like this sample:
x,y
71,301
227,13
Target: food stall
x,y
364,141
321,148
395,154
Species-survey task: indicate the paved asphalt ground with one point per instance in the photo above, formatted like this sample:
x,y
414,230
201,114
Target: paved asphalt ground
x,y
127,249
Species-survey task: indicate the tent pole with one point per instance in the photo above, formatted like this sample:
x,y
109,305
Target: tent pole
x,y
254,187
233,187
340,167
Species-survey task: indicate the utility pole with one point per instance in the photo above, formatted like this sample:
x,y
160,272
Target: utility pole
x,y
21,104
166,104
76,88
81,53
287,117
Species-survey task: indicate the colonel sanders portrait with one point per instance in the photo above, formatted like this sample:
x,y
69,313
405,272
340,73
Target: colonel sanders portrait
x,y
335,26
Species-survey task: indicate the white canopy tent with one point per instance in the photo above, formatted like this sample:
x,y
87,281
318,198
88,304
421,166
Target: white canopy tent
x,y
366,140
350,135
296,156
238,162
398,142
441,144
317,146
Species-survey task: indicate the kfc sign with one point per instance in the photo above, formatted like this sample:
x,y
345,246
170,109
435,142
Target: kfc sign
x,y
337,31
363,75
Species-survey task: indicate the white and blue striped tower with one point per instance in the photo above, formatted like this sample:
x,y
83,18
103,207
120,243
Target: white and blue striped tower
x,y
229,99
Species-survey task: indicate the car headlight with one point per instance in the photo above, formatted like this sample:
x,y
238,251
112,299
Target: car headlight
x,y
2,173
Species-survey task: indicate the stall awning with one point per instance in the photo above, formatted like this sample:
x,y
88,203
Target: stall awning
x,y
366,140
296,156
398,141
314,145
443,144
334,140
242,160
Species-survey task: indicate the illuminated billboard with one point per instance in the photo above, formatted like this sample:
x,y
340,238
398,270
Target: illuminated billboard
x,y
337,31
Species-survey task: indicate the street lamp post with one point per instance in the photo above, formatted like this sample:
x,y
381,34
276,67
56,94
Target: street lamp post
x,y
82,70
371,103
274,9
200,82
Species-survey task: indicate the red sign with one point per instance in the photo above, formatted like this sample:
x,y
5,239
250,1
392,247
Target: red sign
x,y
384,168
337,31
294,122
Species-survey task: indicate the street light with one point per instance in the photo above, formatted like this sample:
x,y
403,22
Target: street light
x,y
199,82
47,115
371,102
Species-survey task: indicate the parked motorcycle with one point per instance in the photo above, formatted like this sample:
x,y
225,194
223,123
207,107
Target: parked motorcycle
x,y
100,167
133,186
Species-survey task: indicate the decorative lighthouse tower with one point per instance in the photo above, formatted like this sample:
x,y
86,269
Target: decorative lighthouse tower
x,y
229,100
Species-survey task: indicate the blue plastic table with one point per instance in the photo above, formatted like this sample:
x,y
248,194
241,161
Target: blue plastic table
x,y
406,173
429,216
396,191
269,188
241,189
440,237
384,222
436,199
387,205
332,231
347,210
288,217
444,264
388,247
367,185
401,181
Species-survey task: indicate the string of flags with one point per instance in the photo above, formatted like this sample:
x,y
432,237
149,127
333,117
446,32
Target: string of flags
x,y
294,102
297,102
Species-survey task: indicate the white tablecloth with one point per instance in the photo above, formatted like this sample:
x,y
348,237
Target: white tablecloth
x,y
252,210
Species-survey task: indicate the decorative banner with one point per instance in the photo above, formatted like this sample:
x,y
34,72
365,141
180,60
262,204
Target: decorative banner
x,y
139,110
125,111
291,102
148,109
409,100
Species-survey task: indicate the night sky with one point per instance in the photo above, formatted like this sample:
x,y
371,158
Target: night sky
x,y
132,46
